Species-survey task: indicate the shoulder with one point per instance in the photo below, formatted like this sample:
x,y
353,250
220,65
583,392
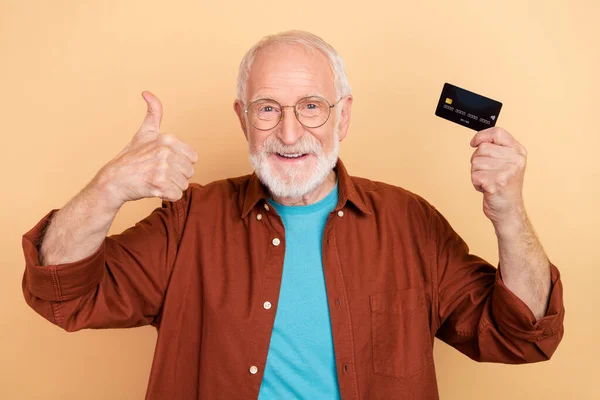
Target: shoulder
x,y
402,208
216,196
380,196
222,187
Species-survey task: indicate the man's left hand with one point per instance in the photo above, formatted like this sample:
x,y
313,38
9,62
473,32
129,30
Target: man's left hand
x,y
497,170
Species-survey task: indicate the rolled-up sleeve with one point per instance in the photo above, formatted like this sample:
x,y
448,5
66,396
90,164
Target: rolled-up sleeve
x,y
122,284
515,318
59,282
478,315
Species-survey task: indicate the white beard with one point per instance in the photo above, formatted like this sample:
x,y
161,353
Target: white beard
x,y
294,183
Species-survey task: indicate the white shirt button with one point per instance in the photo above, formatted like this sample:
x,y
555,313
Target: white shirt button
x,y
259,216
267,305
340,213
253,369
276,242
266,207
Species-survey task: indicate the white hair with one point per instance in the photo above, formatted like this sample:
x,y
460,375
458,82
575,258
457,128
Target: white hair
x,y
308,41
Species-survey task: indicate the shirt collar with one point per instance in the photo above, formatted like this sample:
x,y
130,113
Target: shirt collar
x,y
257,192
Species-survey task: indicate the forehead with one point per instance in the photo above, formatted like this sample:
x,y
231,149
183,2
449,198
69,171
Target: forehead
x,y
287,72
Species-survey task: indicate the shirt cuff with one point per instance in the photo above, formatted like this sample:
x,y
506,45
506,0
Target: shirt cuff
x,y
515,318
59,282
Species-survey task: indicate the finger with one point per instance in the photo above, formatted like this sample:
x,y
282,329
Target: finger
x,y
493,150
495,135
479,181
173,193
178,146
487,164
186,150
182,164
154,114
178,179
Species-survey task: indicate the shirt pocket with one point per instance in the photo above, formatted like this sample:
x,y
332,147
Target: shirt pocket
x,y
400,329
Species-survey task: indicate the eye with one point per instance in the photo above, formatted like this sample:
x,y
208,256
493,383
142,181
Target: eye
x,y
267,107
312,105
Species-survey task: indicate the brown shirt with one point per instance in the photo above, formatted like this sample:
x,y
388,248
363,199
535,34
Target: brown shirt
x,y
201,269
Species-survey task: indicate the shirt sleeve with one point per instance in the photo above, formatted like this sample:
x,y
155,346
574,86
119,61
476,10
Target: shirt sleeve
x,y
478,315
122,284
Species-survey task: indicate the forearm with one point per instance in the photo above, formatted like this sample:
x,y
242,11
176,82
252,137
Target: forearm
x,y
524,266
79,228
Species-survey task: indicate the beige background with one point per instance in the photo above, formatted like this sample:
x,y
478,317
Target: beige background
x,y
71,73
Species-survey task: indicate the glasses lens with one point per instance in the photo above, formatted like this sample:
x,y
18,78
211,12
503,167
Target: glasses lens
x,y
313,111
264,114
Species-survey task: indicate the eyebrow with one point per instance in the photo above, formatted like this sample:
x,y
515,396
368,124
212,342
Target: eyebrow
x,y
266,97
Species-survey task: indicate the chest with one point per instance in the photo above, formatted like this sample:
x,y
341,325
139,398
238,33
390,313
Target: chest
x,y
228,267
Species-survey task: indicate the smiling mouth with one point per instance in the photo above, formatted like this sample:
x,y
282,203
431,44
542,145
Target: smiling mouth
x,y
291,156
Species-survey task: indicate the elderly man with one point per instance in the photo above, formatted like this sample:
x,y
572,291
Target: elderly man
x,y
298,281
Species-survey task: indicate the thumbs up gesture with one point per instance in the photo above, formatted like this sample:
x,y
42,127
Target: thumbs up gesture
x,y
153,164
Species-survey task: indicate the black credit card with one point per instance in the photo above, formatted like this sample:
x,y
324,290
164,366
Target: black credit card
x,y
467,108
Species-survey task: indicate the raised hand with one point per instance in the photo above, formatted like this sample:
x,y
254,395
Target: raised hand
x,y
153,164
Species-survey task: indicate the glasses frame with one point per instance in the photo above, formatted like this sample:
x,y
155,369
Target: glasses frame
x,y
295,112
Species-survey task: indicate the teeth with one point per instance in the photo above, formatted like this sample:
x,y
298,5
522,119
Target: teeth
x,y
291,155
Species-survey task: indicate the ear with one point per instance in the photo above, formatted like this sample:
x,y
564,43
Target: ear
x,y
346,105
238,107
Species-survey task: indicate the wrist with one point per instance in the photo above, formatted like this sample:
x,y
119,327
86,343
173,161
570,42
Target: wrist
x,y
511,224
102,194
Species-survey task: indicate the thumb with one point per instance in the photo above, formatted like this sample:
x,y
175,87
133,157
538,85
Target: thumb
x,y
154,115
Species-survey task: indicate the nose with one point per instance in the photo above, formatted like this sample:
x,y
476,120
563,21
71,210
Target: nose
x,y
289,129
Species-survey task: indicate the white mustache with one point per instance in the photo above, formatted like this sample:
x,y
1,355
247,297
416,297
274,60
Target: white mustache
x,y
306,144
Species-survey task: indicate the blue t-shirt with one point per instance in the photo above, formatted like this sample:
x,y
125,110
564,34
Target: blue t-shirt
x,y
301,360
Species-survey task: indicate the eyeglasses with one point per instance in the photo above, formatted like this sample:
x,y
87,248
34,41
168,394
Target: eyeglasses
x,y
311,112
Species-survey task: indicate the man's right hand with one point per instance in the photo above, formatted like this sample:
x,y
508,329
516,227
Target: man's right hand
x,y
153,164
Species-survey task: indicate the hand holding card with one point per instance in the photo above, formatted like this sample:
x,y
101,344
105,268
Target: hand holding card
x,y
497,171
498,164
